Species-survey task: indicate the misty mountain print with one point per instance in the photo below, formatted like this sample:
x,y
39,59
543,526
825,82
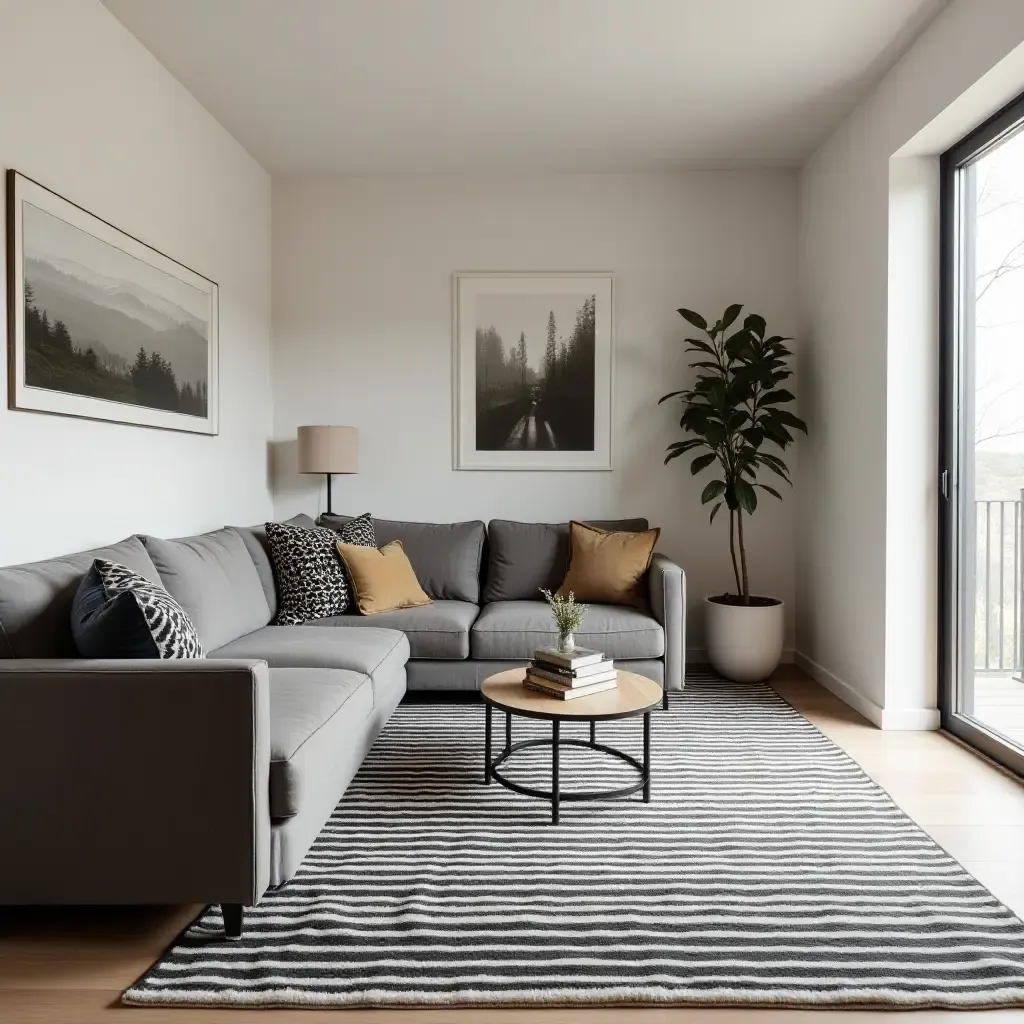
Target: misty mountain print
x,y
102,324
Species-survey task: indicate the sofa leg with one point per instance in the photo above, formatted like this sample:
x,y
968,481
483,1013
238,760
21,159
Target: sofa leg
x,y
232,920
664,699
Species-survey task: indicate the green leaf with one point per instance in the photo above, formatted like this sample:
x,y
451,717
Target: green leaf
x,y
730,315
703,346
701,462
754,436
714,512
712,491
778,467
671,394
737,344
770,490
694,318
790,420
755,324
775,397
685,445
746,496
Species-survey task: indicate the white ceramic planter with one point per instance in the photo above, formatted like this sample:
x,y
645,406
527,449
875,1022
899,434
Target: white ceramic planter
x,y
744,642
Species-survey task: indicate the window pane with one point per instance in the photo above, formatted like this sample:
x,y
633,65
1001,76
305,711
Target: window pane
x,y
991,401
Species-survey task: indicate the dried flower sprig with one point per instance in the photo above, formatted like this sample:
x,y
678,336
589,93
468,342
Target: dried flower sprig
x,y
568,615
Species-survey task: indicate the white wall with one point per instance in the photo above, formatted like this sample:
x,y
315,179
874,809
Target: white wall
x,y
867,491
362,326
88,112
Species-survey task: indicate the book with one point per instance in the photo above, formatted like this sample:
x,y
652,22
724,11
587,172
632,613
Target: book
x,y
579,658
605,671
567,692
594,669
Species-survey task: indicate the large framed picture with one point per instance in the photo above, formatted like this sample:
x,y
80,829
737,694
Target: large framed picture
x,y
533,371
101,325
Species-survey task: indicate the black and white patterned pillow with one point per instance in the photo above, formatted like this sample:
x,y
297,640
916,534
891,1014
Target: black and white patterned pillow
x,y
311,581
359,530
117,613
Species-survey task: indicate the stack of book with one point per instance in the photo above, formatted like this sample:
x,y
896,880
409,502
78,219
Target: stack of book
x,y
570,674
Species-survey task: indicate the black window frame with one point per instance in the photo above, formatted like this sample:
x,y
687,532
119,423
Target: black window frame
x,y
1001,126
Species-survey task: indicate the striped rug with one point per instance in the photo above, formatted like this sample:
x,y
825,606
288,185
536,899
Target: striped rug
x,y
767,870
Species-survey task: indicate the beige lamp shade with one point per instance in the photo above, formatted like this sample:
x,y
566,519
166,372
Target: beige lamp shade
x,y
328,450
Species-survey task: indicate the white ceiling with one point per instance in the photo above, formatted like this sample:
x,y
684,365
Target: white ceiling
x,y
365,86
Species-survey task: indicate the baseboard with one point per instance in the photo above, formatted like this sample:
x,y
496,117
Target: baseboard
x,y
906,719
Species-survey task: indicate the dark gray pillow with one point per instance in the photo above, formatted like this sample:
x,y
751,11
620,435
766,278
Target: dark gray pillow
x,y
446,557
523,557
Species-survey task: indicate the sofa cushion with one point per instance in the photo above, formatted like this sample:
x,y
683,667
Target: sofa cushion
x,y
439,631
372,651
117,613
315,715
255,539
213,577
446,557
524,557
515,629
35,599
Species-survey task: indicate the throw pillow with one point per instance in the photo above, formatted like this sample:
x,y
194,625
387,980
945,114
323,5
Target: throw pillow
x,y
607,566
116,613
383,579
358,530
310,580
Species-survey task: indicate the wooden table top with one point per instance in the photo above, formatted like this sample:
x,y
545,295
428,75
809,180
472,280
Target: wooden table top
x,y
634,695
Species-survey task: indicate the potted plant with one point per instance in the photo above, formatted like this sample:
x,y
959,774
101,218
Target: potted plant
x,y
568,616
734,413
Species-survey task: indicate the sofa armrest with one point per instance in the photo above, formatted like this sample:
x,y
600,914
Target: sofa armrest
x,y
667,589
134,781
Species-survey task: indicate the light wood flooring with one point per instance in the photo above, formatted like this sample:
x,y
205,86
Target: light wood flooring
x,y
70,966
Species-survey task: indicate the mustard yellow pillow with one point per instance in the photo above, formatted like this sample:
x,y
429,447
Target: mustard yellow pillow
x,y
606,566
382,578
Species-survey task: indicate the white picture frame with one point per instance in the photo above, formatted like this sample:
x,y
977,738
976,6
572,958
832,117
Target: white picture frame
x,y
515,409
85,299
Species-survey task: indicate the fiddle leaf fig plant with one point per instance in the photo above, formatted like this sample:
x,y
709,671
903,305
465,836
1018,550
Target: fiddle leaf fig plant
x,y
733,415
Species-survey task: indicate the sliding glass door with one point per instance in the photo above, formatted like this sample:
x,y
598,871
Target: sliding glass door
x,y
982,438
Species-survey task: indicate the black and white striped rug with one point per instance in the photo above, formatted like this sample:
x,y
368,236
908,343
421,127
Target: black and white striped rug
x,y
767,870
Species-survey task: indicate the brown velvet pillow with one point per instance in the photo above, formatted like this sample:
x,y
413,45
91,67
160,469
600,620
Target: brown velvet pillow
x,y
607,567
382,578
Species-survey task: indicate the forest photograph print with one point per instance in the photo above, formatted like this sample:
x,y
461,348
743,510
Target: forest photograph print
x,y
102,325
534,371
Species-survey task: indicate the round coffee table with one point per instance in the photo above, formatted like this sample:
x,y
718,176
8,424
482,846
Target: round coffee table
x,y
635,695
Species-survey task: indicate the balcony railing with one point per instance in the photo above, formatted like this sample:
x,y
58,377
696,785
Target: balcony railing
x,y
999,599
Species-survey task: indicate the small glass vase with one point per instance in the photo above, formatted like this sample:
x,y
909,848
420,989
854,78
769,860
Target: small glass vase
x,y
566,642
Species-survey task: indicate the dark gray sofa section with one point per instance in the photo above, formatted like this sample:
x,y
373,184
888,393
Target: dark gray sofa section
x,y
507,565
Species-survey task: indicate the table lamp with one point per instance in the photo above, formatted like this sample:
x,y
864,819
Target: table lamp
x,y
328,450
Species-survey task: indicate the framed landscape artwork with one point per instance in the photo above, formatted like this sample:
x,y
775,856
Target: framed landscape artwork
x,y
101,325
533,371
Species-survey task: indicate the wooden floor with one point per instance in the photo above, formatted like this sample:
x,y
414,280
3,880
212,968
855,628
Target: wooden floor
x,y
71,965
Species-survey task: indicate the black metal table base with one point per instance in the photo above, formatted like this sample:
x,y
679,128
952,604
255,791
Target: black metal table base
x,y
556,742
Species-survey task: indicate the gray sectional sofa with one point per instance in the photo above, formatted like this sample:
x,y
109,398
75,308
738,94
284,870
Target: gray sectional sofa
x,y
142,781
